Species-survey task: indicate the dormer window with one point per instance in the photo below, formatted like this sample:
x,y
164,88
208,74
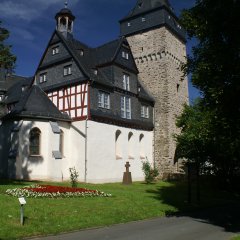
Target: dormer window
x,y
129,24
81,52
143,19
125,55
43,77
95,71
55,50
67,70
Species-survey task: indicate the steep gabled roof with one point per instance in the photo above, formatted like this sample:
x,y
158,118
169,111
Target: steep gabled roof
x,y
34,103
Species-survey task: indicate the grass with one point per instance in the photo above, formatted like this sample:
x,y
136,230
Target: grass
x,y
236,238
128,203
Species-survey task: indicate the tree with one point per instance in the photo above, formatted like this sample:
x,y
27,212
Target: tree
x,y
211,128
7,60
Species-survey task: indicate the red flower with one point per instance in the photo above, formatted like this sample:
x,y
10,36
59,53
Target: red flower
x,y
58,189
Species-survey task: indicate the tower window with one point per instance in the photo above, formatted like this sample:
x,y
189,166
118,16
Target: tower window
x,y
178,85
43,77
67,70
55,50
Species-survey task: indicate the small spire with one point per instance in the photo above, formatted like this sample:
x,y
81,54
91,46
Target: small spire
x,y
66,4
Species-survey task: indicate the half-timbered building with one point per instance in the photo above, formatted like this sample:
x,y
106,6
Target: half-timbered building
x,y
107,114
88,108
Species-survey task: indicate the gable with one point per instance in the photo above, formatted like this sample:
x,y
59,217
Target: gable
x,y
55,52
125,58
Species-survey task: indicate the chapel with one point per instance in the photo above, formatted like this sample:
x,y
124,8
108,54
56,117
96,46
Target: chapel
x,y
97,108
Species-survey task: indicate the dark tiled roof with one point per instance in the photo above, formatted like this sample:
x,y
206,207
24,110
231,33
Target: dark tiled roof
x,y
65,11
144,6
156,13
7,83
34,103
98,115
14,93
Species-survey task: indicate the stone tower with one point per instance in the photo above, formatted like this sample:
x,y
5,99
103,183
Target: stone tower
x,y
157,42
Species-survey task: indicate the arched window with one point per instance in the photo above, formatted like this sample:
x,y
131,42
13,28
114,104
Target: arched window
x,y
34,141
118,144
61,142
130,146
142,147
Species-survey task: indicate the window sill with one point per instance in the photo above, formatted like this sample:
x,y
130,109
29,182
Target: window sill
x,y
35,155
130,157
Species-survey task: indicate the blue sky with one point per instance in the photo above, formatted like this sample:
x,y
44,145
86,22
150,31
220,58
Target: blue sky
x,y
31,23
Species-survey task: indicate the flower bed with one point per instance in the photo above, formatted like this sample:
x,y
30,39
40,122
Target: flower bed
x,y
48,191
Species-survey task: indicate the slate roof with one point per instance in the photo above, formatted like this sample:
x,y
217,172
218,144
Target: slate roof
x,y
94,58
144,6
65,11
156,13
133,123
34,103
14,93
7,83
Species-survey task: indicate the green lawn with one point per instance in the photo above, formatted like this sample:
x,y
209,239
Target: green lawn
x,y
236,238
128,203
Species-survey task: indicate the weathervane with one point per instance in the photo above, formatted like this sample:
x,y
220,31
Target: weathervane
x,y
66,4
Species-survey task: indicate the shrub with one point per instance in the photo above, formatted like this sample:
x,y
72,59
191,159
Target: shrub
x,y
73,176
149,172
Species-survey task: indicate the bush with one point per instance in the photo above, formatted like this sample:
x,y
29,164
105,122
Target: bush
x,y
149,172
73,176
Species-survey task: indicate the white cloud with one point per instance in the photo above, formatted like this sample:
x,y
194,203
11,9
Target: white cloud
x,y
28,10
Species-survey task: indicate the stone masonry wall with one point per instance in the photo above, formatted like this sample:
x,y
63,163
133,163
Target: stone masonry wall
x,y
159,55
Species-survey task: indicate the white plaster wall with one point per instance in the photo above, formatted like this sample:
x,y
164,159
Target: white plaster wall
x,y
102,164
34,167
45,166
74,149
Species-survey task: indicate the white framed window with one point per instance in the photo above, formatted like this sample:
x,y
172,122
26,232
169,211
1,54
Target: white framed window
x,y
67,70
126,82
126,107
103,100
55,50
125,55
144,111
43,77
